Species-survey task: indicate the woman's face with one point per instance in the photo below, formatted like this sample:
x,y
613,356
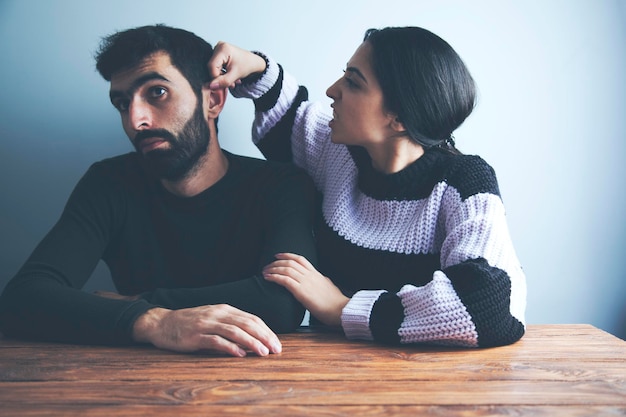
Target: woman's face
x,y
359,117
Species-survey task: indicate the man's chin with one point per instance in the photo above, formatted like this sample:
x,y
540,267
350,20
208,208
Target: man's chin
x,y
155,153
164,165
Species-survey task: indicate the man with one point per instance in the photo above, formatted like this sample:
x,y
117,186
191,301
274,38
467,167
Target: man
x,y
184,226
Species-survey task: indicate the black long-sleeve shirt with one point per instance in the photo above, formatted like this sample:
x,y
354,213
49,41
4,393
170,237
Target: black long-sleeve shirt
x,y
176,252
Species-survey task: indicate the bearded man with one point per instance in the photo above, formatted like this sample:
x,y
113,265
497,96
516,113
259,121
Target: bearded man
x,y
184,226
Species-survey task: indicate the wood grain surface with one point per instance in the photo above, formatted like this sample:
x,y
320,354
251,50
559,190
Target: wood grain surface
x,y
569,370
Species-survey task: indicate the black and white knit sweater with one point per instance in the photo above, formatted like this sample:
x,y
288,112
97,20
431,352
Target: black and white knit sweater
x,y
424,254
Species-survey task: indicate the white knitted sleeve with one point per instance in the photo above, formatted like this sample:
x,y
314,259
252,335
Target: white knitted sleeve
x,y
355,316
435,313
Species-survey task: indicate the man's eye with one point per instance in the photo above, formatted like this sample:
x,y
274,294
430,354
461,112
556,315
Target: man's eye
x,y
121,105
157,91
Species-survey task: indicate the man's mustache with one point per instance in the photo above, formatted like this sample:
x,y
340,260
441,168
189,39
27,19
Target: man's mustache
x,y
156,133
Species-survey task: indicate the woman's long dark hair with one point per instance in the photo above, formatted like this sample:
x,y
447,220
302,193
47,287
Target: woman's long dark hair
x,y
424,82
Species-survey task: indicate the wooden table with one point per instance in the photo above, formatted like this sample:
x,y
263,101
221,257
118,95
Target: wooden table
x,y
569,370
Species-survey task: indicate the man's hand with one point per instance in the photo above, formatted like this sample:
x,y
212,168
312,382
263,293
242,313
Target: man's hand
x,y
218,328
229,64
316,292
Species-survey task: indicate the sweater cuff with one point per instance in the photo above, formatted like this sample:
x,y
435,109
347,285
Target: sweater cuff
x,y
127,320
262,84
355,317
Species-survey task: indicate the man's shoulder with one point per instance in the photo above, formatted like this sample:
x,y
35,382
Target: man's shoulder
x,y
256,166
270,177
126,165
122,170
124,161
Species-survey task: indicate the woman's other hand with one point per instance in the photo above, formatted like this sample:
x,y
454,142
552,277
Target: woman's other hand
x,y
316,292
229,64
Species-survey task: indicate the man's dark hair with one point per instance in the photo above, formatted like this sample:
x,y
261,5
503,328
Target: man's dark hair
x,y
126,49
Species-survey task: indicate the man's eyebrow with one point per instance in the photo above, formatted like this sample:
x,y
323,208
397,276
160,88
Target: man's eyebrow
x,y
113,94
355,70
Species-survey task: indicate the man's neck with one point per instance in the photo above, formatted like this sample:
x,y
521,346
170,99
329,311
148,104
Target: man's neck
x,y
209,170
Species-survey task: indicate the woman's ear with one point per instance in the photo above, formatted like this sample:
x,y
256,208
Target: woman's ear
x,y
213,101
397,125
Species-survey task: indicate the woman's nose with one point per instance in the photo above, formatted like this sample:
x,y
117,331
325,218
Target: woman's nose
x,y
333,91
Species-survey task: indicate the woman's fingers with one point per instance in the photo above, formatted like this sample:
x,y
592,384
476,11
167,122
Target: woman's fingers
x,y
299,259
290,264
288,268
284,280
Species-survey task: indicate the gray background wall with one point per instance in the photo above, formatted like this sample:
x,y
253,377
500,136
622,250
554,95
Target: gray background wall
x,y
550,117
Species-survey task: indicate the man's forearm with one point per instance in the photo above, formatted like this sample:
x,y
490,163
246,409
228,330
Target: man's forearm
x,y
279,309
45,310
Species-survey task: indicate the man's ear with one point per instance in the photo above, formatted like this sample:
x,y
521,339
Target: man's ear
x,y
213,101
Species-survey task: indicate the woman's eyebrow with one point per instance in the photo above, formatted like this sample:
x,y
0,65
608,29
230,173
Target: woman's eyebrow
x,y
355,70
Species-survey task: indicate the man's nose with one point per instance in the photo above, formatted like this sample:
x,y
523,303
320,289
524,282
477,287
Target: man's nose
x,y
139,115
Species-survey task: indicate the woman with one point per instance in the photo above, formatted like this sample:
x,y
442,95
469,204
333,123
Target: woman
x,y
412,233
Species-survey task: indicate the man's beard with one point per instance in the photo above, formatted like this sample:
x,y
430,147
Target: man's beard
x,y
186,148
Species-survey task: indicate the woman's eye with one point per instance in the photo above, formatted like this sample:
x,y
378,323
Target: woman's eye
x,y
349,81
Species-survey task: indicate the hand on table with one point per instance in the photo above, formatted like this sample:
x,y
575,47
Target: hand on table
x,y
316,292
218,328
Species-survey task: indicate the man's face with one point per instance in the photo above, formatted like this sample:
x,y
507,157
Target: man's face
x,y
162,116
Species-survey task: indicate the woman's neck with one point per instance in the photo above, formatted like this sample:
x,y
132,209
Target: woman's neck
x,y
394,156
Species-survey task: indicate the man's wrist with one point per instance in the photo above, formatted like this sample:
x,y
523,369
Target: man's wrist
x,y
147,324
